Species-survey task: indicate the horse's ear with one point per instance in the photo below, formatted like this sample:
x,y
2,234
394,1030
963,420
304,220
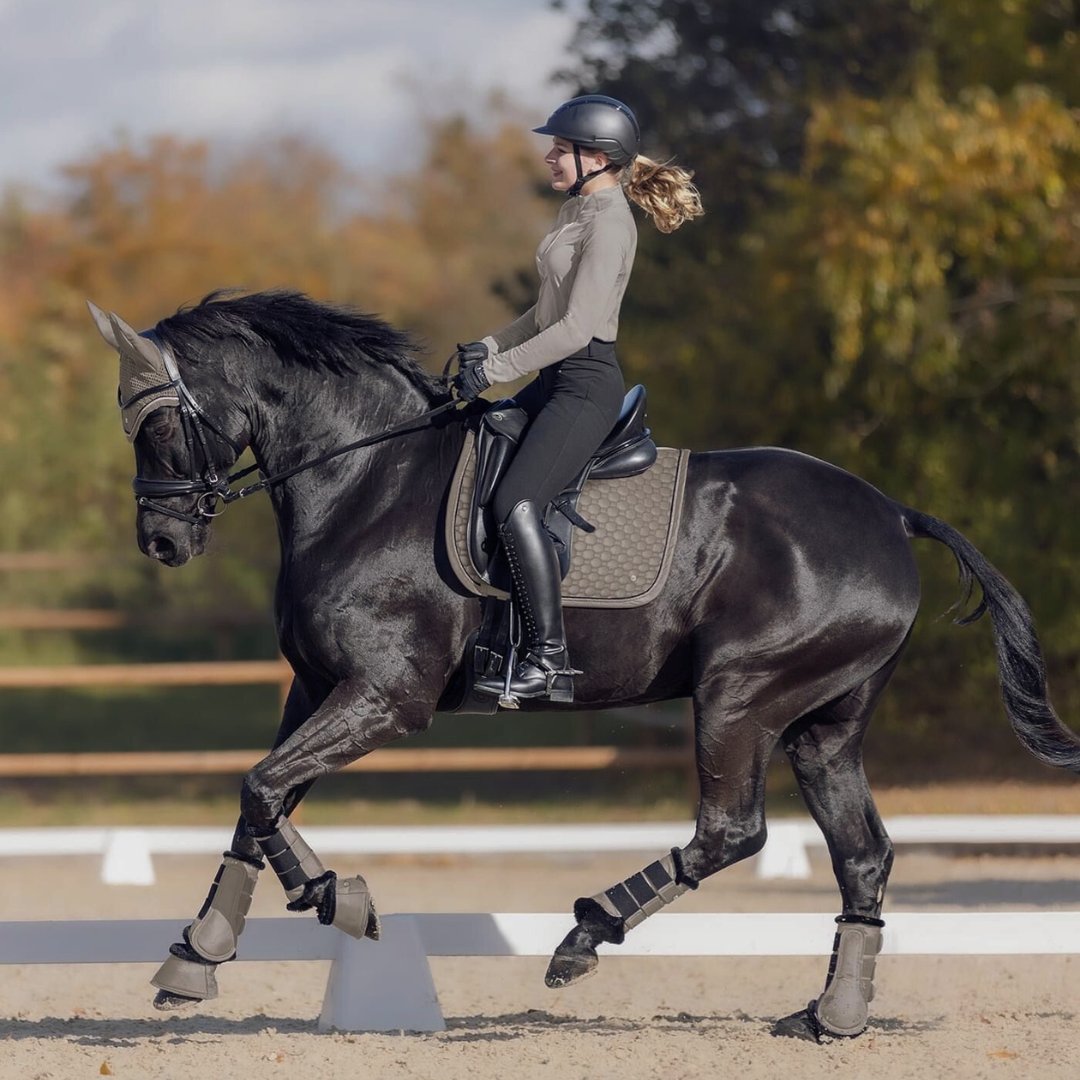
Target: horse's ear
x,y
101,321
145,380
118,334
136,344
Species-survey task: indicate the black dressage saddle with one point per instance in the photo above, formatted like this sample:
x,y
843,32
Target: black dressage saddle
x,y
628,450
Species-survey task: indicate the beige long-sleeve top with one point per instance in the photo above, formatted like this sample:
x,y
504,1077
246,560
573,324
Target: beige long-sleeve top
x,y
584,265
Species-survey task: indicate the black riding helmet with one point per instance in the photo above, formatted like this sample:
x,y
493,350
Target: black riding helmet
x,y
595,122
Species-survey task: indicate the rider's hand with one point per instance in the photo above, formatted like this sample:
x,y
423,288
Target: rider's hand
x,y
471,380
471,352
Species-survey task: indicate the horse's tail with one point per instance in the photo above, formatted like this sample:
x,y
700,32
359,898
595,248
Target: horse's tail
x,y
1020,662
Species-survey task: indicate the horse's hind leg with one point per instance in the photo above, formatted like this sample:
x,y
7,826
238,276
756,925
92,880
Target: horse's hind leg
x,y
825,749
732,755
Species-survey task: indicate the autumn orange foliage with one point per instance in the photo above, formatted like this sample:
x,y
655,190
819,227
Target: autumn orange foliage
x,y
145,228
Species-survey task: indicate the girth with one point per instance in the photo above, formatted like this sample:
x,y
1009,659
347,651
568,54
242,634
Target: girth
x,y
628,450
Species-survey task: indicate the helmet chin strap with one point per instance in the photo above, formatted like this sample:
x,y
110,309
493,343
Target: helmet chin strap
x,y
584,178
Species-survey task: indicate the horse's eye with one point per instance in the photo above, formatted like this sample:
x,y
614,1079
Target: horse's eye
x,y
159,431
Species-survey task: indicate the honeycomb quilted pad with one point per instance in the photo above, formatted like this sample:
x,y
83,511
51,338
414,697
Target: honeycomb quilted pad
x,y
624,563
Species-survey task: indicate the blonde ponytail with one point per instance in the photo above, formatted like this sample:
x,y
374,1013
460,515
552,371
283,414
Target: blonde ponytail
x,y
664,191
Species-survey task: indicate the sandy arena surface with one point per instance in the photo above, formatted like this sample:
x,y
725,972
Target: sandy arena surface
x,y
675,1018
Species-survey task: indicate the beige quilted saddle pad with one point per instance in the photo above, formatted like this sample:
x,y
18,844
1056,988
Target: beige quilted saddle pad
x,y
624,563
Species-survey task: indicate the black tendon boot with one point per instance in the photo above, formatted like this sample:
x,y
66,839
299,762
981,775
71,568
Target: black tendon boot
x,y
534,567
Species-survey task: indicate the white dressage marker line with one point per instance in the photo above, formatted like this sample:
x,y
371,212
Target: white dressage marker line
x,y
785,853
128,851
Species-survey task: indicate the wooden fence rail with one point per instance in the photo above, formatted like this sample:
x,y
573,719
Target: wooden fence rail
x,y
238,762
253,673
24,562
202,673
112,619
434,759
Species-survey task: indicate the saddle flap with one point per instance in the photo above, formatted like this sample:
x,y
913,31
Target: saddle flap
x,y
623,564
506,418
501,428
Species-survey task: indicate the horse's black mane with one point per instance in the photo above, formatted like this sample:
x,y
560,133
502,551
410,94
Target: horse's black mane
x,y
298,329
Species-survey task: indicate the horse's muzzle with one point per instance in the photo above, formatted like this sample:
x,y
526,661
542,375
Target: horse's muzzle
x,y
170,543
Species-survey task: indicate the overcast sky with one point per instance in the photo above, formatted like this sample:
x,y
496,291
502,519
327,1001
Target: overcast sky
x,y
74,73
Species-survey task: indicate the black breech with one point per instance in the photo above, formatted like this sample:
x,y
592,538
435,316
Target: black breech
x,y
573,405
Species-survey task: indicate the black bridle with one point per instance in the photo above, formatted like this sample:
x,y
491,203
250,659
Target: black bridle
x,y
210,486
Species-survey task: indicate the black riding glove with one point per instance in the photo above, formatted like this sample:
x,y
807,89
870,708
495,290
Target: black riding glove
x,y
471,352
471,380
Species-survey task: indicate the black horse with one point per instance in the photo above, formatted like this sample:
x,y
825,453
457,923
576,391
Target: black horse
x,y
791,596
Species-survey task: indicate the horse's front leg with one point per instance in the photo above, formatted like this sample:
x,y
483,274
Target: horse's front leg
x,y
351,722
188,973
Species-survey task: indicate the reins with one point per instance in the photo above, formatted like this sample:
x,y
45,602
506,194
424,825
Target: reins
x,y
268,481
210,487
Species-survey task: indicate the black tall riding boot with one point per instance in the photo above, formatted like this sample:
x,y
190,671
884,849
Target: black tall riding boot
x,y
545,669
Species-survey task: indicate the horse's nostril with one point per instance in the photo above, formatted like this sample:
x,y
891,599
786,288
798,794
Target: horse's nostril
x,y
161,547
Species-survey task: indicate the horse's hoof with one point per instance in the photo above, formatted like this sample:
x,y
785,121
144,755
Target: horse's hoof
x,y
181,980
354,911
164,1001
566,968
825,1029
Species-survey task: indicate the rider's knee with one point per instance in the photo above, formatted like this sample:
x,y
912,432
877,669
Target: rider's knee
x,y
505,503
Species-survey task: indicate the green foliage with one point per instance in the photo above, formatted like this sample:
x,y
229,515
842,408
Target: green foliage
x,y
921,214
1003,44
886,275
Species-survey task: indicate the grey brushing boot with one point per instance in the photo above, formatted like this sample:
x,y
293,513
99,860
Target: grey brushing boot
x,y
534,567
844,1005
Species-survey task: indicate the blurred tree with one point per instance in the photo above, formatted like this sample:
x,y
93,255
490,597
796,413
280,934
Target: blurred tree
x,y
730,85
144,228
1003,44
928,224
477,207
732,89
887,272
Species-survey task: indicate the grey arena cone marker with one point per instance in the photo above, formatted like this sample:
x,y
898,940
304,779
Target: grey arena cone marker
x,y
383,985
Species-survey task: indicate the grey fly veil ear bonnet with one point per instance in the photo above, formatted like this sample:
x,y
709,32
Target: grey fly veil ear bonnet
x,y
148,377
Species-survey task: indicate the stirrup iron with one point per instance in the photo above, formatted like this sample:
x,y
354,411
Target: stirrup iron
x,y
560,683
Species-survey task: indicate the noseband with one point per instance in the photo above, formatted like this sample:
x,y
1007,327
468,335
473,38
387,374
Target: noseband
x,y
209,486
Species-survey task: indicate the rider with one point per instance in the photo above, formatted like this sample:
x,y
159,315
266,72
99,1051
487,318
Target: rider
x,y
568,336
